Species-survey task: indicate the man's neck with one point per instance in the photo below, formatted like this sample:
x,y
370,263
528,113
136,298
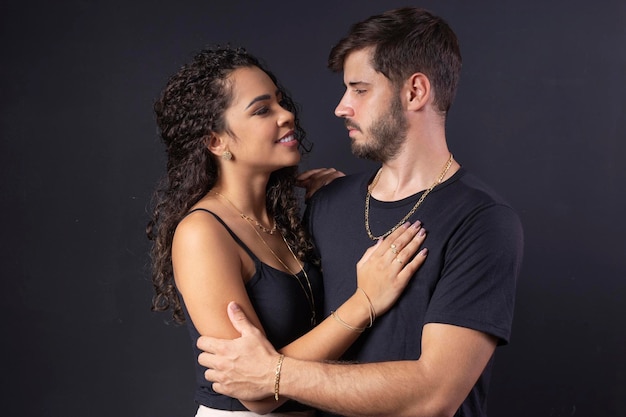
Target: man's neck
x,y
414,170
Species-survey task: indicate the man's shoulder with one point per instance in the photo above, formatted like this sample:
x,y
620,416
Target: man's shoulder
x,y
482,206
341,196
345,186
471,187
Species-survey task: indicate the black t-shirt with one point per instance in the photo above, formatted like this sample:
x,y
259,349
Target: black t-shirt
x,y
474,246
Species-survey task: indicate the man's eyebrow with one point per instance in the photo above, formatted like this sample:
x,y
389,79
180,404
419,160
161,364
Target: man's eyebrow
x,y
261,98
355,83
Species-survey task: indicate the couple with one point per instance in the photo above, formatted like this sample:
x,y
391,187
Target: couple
x,y
421,324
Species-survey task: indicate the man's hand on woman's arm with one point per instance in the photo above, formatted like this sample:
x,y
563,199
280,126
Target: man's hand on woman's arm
x,y
435,385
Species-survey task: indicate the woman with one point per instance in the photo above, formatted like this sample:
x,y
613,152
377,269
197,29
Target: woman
x,y
226,224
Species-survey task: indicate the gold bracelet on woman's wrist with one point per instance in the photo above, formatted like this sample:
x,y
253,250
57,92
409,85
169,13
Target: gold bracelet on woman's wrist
x,y
372,310
346,325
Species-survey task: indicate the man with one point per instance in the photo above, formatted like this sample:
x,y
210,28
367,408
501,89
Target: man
x,y
430,355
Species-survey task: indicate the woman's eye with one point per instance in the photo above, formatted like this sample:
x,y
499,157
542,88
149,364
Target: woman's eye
x,y
263,110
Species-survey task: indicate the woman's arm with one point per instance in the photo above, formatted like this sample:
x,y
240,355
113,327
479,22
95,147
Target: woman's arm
x,y
208,269
209,272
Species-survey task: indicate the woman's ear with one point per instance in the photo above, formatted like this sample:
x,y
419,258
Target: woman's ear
x,y
215,143
417,91
218,145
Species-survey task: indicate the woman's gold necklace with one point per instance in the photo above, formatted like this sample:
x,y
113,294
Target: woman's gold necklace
x,y
410,213
308,294
248,218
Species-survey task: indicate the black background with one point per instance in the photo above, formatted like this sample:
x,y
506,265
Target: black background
x,y
540,115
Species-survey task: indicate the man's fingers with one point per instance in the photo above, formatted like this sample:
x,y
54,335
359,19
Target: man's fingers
x,y
238,318
240,322
206,359
206,344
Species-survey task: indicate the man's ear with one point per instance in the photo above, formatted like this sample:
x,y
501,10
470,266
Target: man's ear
x,y
417,91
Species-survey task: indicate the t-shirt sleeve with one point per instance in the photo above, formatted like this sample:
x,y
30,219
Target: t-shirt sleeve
x,y
482,262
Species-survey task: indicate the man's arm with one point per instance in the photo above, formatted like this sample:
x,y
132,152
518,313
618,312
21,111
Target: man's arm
x,y
435,385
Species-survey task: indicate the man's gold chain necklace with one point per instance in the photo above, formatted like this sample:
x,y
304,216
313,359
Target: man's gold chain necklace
x,y
410,213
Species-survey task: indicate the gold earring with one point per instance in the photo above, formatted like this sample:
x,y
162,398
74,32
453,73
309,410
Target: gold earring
x,y
227,156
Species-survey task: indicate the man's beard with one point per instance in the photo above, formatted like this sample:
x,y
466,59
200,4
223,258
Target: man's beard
x,y
387,134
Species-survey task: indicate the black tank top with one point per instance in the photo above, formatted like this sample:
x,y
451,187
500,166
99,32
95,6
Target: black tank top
x,y
282,308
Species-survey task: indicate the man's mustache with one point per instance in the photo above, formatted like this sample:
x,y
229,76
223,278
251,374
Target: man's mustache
x,y
351,125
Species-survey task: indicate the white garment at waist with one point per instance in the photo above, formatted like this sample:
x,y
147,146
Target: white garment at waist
x,y
211,412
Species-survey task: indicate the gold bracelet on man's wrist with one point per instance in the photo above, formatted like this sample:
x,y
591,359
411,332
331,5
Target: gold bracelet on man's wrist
x,y
279,367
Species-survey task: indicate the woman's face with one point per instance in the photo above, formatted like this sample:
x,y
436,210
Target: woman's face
x,y
261,130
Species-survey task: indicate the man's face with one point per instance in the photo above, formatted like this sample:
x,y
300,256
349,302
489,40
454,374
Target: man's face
x,y
371,109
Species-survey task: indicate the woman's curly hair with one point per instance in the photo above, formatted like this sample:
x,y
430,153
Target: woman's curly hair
x,y
191,106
